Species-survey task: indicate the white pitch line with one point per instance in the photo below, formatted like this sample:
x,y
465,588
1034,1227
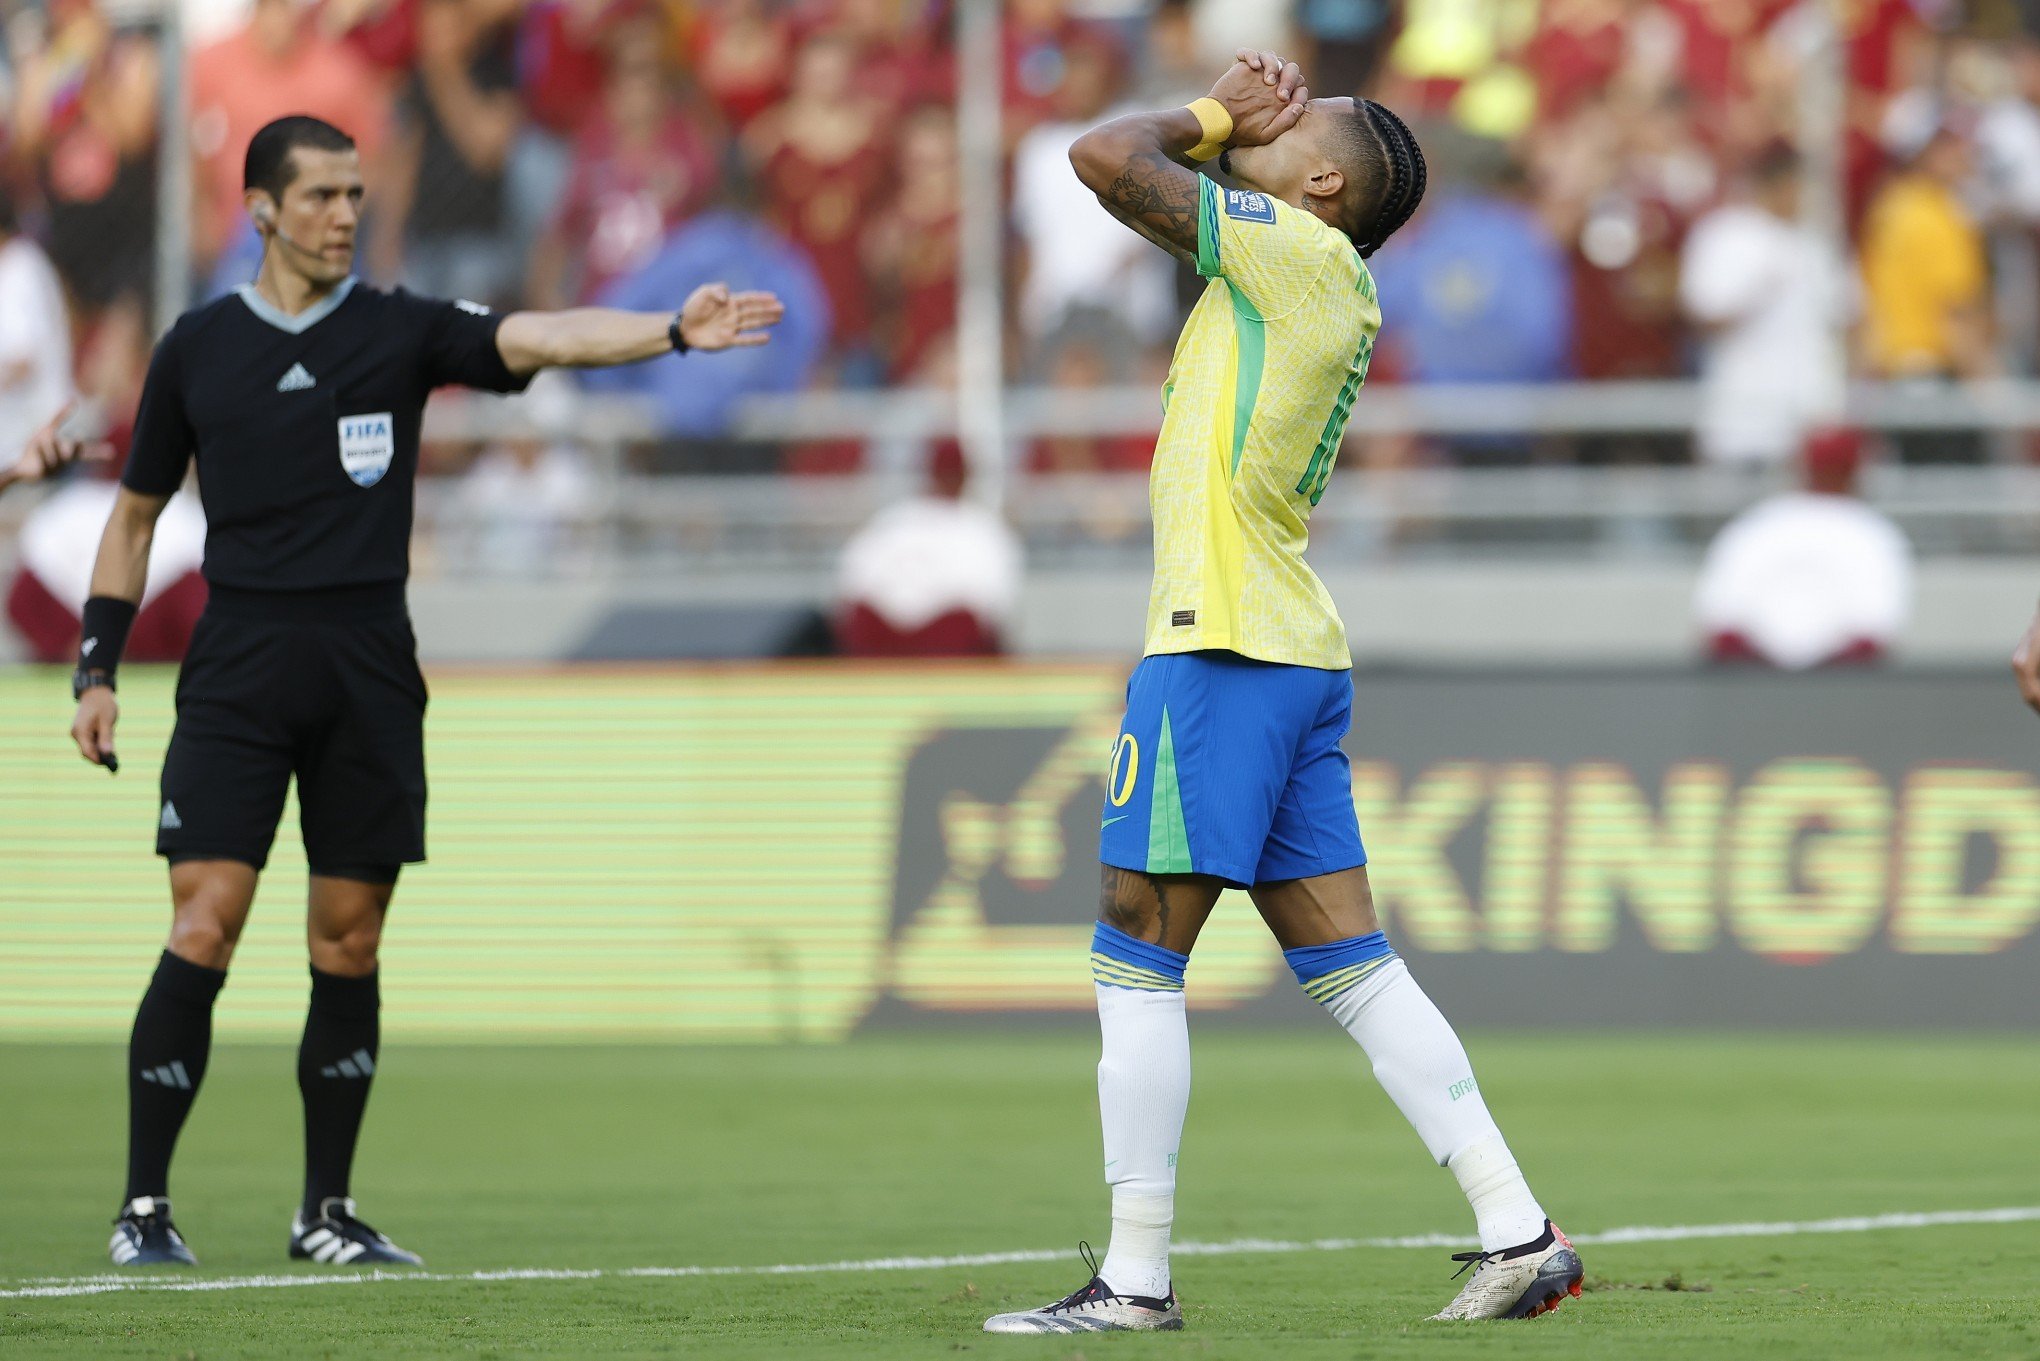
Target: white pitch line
x,y
60,1287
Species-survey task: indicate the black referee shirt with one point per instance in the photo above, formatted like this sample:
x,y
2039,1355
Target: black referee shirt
x,y
305,428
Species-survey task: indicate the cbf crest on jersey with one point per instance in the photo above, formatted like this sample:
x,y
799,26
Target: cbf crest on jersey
x,y
367,444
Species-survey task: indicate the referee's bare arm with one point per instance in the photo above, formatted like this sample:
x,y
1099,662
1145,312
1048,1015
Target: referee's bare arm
x,y
713,318
120,573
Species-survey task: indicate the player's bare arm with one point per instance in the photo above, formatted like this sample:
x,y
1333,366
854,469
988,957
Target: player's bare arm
x,y
1139,166
119,574
713,318
49,450
2026,664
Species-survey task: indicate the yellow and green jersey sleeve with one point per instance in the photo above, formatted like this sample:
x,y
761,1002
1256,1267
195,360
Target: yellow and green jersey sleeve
x,y
1263,380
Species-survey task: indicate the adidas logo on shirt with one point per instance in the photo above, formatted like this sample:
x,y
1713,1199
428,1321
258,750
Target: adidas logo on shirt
x,y
170,821
297,380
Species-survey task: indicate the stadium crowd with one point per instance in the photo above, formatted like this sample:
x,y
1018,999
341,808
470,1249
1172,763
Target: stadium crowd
x,y
1617,186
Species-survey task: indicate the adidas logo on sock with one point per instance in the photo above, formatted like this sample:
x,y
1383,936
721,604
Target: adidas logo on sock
x,y
170,1075
297,380
170,822
357,1064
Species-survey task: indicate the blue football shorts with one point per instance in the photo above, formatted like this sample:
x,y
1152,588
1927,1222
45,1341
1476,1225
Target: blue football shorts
x,y
1232,767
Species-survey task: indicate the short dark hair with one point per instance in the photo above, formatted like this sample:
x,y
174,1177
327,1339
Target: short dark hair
x,y
269,166
1389,174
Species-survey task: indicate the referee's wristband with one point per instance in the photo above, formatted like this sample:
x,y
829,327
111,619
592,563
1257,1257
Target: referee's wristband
x,y
680,345
104,637
1215,121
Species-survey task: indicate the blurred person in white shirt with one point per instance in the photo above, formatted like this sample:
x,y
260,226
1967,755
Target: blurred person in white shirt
x,y
1078,257
935,575
35,336
1808,578
527,503
1772,298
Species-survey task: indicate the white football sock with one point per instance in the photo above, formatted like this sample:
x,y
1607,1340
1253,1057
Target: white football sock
x,y
1422,1066
1508,1215
1143,1092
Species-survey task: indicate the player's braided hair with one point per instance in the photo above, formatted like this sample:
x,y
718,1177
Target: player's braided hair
x,y
1403,184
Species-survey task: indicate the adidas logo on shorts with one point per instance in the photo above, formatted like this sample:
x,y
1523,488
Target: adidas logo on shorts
x,y
170,822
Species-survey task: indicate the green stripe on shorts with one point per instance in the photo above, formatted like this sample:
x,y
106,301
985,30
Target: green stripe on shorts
x,y
1168,833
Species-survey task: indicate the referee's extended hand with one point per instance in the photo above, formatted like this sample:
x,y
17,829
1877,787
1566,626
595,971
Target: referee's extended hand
x,y
49,450
2026,664
92,727
716,319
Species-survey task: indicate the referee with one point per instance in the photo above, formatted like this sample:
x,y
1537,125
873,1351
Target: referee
x,y
300,398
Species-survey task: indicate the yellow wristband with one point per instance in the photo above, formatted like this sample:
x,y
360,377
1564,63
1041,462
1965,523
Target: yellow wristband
x,y
1216,124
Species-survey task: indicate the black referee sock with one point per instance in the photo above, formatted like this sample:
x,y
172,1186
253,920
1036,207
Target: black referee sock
x,y
166,1060
336,1063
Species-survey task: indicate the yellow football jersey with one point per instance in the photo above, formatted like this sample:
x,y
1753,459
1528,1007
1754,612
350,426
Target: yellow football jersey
x,y
1262,382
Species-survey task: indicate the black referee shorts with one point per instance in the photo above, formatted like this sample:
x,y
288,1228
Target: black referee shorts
x,y
324,686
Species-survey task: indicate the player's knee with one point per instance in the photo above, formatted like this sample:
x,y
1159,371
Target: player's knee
x,y
203,936
349,950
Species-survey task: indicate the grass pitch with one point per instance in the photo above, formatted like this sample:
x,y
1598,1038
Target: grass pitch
x,y
623,1157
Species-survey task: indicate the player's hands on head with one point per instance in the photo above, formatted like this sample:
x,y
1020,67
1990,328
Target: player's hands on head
x,y
1265,96
49,450
92,726
714,318
2026,664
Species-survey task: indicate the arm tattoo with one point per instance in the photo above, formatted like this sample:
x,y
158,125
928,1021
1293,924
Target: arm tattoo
x,y
1157,198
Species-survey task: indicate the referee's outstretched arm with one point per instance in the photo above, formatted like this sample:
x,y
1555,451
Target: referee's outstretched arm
x,y
713,318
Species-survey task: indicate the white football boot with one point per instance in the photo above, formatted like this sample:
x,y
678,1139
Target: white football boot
x,y
1520,1282
1094,1309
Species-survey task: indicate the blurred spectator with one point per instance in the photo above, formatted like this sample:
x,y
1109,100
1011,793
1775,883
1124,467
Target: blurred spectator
x,y
1925,281
1771,299
2008,147
440,224
901,45
1039,38
565,50
35,335
562,51
1086,355
1575,53
741,52
696,397
1077,256
84,116
278,64
528,502
1478,289
1808,578
639,170
1173,72
1348,40
1628,239
60,540
911,247
823,159
935,575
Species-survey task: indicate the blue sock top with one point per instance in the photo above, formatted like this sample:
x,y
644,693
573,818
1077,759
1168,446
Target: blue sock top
x,y
1120,961
1311,962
